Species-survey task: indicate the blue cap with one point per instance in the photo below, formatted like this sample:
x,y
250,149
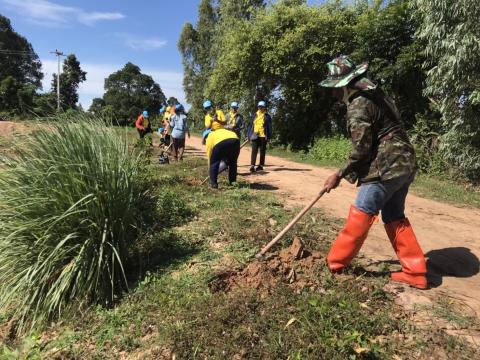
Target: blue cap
x,y
160,130
234,104
145,114
262,104
206,133
207,104
162,110
179,107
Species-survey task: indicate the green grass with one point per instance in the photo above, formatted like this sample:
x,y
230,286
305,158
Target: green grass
x,y
171,310
446,190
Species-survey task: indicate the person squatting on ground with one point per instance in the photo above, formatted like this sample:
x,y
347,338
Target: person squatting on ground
x,y
384,165
235,120
214,119
143,125
259,133
179,125
222,145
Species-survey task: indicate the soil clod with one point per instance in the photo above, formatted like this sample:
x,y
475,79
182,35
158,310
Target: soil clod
x,y
293,266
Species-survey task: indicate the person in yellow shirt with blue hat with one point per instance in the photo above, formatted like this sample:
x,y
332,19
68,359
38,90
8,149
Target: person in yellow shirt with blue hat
x,y
222,145
214,119
259,133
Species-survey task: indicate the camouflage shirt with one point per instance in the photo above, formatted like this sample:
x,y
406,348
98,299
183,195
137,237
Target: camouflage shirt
x,y
381,149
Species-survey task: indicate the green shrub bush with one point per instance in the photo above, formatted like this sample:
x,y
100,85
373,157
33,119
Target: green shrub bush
x,y
172,210
73,201
333,149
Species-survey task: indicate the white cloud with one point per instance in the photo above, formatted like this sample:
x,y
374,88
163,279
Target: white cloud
x,y
47,13
170,81
142,44
90,18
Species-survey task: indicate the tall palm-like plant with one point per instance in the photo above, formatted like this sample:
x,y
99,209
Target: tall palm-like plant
x,y
73,199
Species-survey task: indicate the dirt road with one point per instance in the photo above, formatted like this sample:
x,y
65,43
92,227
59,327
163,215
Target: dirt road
x,y
448,235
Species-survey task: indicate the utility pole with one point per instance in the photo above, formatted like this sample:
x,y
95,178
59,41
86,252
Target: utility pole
x,y
58,54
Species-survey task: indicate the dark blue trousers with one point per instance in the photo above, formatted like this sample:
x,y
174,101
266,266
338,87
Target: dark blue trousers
x,y
228,151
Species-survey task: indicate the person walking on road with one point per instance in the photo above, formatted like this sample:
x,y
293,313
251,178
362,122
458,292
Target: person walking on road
x,y
179,125
383,164
143,125
235,120
222,145
214,119
259,133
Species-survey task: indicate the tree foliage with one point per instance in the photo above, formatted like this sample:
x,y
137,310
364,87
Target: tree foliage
x,y
128,92
278,53
451,30
70,79
20,71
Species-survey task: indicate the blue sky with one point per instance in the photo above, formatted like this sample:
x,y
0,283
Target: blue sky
x,y
106,34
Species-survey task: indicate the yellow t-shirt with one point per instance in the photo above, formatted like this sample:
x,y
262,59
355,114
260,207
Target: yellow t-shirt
x,y
215,125
216,137
232,119
259,124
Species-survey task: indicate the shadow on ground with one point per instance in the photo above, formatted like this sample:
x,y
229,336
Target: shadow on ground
x,y
289,169
454,262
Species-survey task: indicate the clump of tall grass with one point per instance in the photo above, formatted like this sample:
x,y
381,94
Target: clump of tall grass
x,y
73,200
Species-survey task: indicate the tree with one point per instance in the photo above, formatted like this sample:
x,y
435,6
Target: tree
x,y
17,58
384,36
20,73
195,45
450,30
281,59
70,79
172,101
128,92
97,105
44,104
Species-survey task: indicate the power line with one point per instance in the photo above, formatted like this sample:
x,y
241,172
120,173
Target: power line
x,y
16,52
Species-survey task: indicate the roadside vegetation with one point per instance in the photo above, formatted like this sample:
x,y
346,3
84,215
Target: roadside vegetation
x,y
179,303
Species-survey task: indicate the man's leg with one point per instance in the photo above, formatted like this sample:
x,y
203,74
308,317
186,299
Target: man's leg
x,y
181,148
404,241
175,148
233,154
370,200
253,159
215,159
263,150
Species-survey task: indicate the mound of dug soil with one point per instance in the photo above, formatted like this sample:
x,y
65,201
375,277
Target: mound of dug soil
x,y
292,266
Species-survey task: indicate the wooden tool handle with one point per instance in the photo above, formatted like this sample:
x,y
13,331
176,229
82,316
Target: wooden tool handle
x,y
292,223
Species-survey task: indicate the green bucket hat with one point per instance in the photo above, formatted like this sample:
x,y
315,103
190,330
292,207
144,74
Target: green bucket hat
x,y
341,71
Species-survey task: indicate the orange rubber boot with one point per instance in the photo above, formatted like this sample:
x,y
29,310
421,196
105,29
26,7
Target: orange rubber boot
x,y
405,244
350,239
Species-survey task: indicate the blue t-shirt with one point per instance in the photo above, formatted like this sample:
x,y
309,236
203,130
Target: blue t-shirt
x,y
179,126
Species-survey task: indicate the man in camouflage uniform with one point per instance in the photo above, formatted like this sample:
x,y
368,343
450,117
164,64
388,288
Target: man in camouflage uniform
x,y
383,164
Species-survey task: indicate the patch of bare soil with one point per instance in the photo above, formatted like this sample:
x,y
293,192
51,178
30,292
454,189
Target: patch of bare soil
x,y
293,266
8,129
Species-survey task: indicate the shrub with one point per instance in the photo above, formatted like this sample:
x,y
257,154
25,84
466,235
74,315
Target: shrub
x,y
172,210
333,149
72,202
